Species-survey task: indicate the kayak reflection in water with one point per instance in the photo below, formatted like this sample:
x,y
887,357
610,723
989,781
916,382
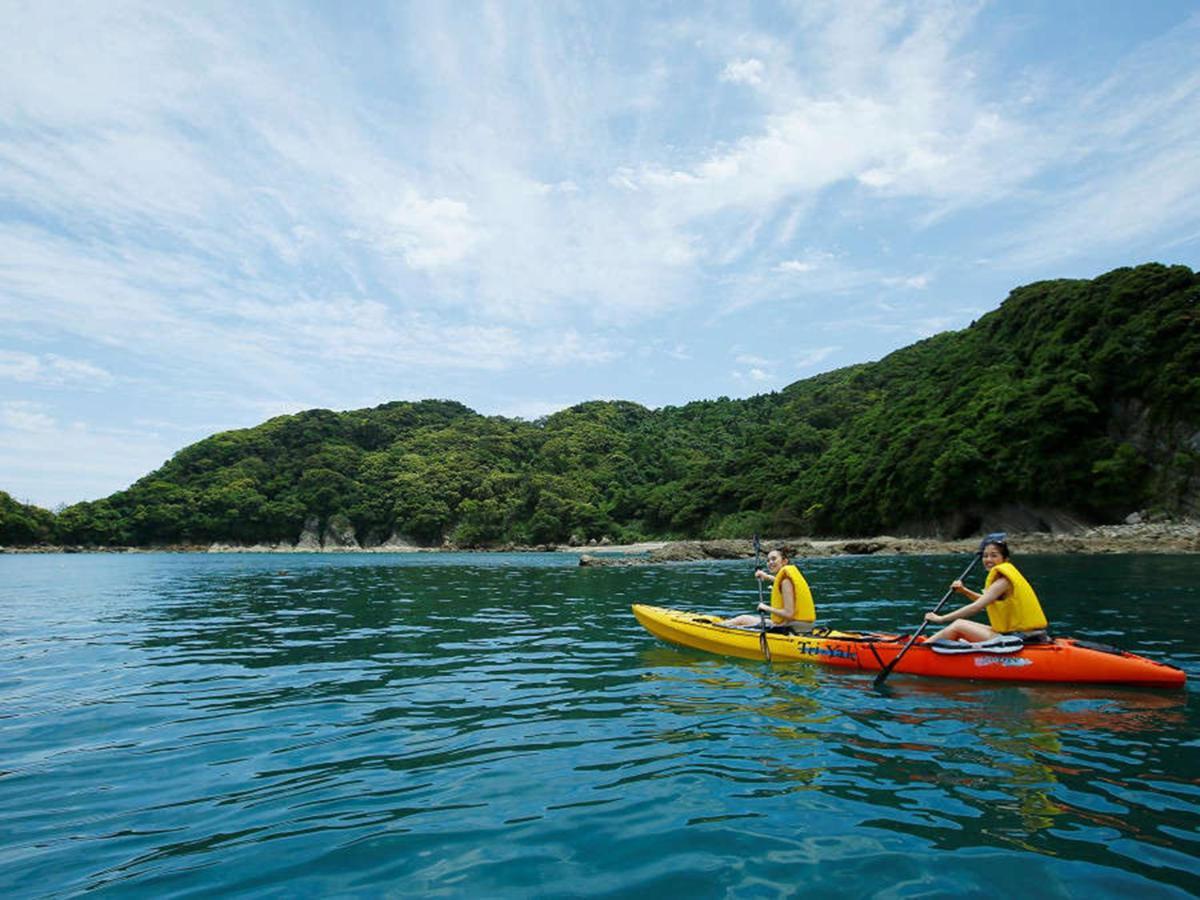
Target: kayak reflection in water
x,y
791,608
1011,604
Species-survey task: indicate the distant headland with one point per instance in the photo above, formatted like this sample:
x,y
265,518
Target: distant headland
x,y
1073,405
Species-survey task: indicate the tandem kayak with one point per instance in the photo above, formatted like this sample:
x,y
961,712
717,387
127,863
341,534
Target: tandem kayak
x,y
1062,660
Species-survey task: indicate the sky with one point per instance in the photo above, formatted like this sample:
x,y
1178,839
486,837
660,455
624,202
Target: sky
x,y
216,213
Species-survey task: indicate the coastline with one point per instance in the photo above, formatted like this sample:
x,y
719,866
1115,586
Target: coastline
x,y
1145,537
1172,537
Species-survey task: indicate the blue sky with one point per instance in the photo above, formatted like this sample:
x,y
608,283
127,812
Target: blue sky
x,y
215,213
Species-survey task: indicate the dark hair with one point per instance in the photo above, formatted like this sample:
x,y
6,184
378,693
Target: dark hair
x,y
1002,546
783,550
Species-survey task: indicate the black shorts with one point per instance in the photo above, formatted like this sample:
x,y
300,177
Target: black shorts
x,y
1037,636
791,628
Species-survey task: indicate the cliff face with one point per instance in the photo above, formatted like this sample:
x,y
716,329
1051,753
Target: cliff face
x,y
1169,448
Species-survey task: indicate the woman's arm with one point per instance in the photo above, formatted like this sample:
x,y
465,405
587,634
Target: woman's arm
x,y
788,613
994,592
959,588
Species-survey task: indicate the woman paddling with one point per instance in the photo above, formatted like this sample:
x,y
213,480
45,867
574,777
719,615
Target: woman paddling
x,y
1011,604
791,609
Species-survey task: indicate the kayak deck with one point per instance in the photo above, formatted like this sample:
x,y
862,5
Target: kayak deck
x,y
1060,660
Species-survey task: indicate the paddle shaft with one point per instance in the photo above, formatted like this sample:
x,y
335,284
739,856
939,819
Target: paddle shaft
x,y
887,670
762,618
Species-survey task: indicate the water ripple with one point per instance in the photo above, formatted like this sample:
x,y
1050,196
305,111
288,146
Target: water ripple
x,y
502,726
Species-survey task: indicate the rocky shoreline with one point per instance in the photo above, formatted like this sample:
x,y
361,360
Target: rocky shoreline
x,y
1143,537
1173,537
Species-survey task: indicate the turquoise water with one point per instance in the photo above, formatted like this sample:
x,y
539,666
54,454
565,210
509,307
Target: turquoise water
x,y
499,725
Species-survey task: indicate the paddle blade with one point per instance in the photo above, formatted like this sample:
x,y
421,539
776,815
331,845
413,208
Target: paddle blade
x,y
762,634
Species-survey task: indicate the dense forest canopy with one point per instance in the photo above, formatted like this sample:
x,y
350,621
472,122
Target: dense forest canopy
x,y
1075,396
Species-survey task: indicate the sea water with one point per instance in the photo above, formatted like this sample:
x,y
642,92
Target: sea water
x,y
499,725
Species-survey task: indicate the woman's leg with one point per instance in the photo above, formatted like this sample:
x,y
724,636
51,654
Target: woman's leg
x,y
746,621
966,630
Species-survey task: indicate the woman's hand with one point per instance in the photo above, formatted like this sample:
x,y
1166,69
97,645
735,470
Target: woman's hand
x,y
934,618
957,587
763,576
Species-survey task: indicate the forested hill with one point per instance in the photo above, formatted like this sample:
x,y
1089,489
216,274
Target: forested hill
x,y
1074,397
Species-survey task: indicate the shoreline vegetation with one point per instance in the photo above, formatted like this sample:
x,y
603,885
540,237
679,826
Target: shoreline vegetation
x,y
1076,402
1143,537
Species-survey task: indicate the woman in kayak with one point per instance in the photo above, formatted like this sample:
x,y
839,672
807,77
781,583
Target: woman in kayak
x,y
1011,604
791,609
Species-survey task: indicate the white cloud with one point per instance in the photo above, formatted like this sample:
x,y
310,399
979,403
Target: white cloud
x,y
1120,171
795,265
754,376
50,463
471,223
869,97
51,369
434,233
531,410
915,282
928,326
264,337
25,416
813,358
747,359
571,348
19,366
744,71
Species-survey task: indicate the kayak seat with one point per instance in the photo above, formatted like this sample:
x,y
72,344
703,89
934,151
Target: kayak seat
x,y
1003,643
1040,636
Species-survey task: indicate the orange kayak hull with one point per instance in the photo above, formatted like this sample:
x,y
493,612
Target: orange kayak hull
x,y
1061,661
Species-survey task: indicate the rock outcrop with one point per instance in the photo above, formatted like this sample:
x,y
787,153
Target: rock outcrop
x,y
339,534
398,543
310,536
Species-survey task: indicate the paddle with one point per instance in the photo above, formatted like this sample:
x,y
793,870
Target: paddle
x,y
887,670
762,618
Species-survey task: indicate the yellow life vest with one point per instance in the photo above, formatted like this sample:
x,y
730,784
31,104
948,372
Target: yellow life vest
x,y
1019,609
804,609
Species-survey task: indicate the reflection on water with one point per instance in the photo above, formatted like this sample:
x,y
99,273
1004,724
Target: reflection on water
x,y
502,725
